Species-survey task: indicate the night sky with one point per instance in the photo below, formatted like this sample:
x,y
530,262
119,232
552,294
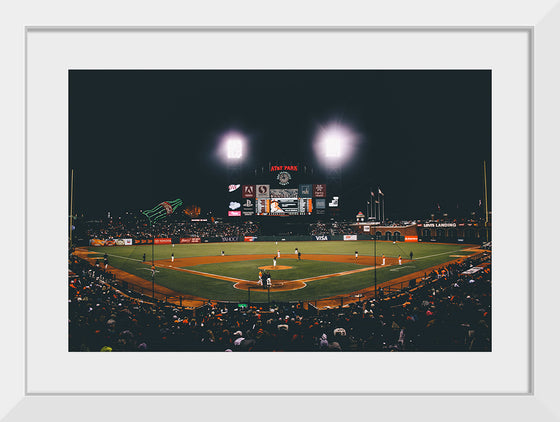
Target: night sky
x,y
137,138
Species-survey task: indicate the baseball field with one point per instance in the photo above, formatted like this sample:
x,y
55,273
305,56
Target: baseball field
x,y
326,268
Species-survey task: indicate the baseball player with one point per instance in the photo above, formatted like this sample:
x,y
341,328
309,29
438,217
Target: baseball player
x,y
278,253
222,253
356,254
296,251
274,261
400,260
172,257
383,258
144,258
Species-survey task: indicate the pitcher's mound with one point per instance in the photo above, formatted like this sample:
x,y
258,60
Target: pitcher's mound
x,y
272,267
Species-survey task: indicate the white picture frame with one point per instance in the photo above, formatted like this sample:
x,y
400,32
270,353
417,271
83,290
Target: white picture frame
x,y
541,21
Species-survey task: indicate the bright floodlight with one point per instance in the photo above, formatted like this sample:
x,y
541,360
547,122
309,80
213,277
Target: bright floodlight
x,y
233,145
332,146
334,142
234,148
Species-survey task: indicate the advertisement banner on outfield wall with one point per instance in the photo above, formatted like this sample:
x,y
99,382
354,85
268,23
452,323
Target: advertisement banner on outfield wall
x,y
411,238
249,238
142,241
162,241
321,237
123,242
230,239
350,237
96,242
190,240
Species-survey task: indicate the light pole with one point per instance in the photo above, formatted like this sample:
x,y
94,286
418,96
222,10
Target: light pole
x,y
334,143
153,267
71,206
375,263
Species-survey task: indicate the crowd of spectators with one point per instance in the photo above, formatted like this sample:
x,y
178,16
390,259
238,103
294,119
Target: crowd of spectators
x,y
319,228
223,229
332,228
139,229
451,312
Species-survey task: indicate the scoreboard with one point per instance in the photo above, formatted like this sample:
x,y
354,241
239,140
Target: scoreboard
x,y
262,200
282,192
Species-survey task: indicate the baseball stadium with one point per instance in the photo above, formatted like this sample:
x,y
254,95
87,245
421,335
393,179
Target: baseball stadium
x,y
296,253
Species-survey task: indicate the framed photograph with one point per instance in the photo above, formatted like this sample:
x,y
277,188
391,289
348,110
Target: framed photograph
x,y
514,380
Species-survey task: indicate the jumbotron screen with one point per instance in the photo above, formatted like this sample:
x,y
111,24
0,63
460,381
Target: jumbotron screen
x,y
284,206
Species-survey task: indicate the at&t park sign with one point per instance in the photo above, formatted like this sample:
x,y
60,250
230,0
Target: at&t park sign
x,y
283,168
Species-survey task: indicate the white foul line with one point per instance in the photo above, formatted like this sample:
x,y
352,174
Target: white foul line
x,y
443,253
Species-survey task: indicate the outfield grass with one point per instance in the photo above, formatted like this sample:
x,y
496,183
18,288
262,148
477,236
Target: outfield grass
x,y
426,255
365,248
